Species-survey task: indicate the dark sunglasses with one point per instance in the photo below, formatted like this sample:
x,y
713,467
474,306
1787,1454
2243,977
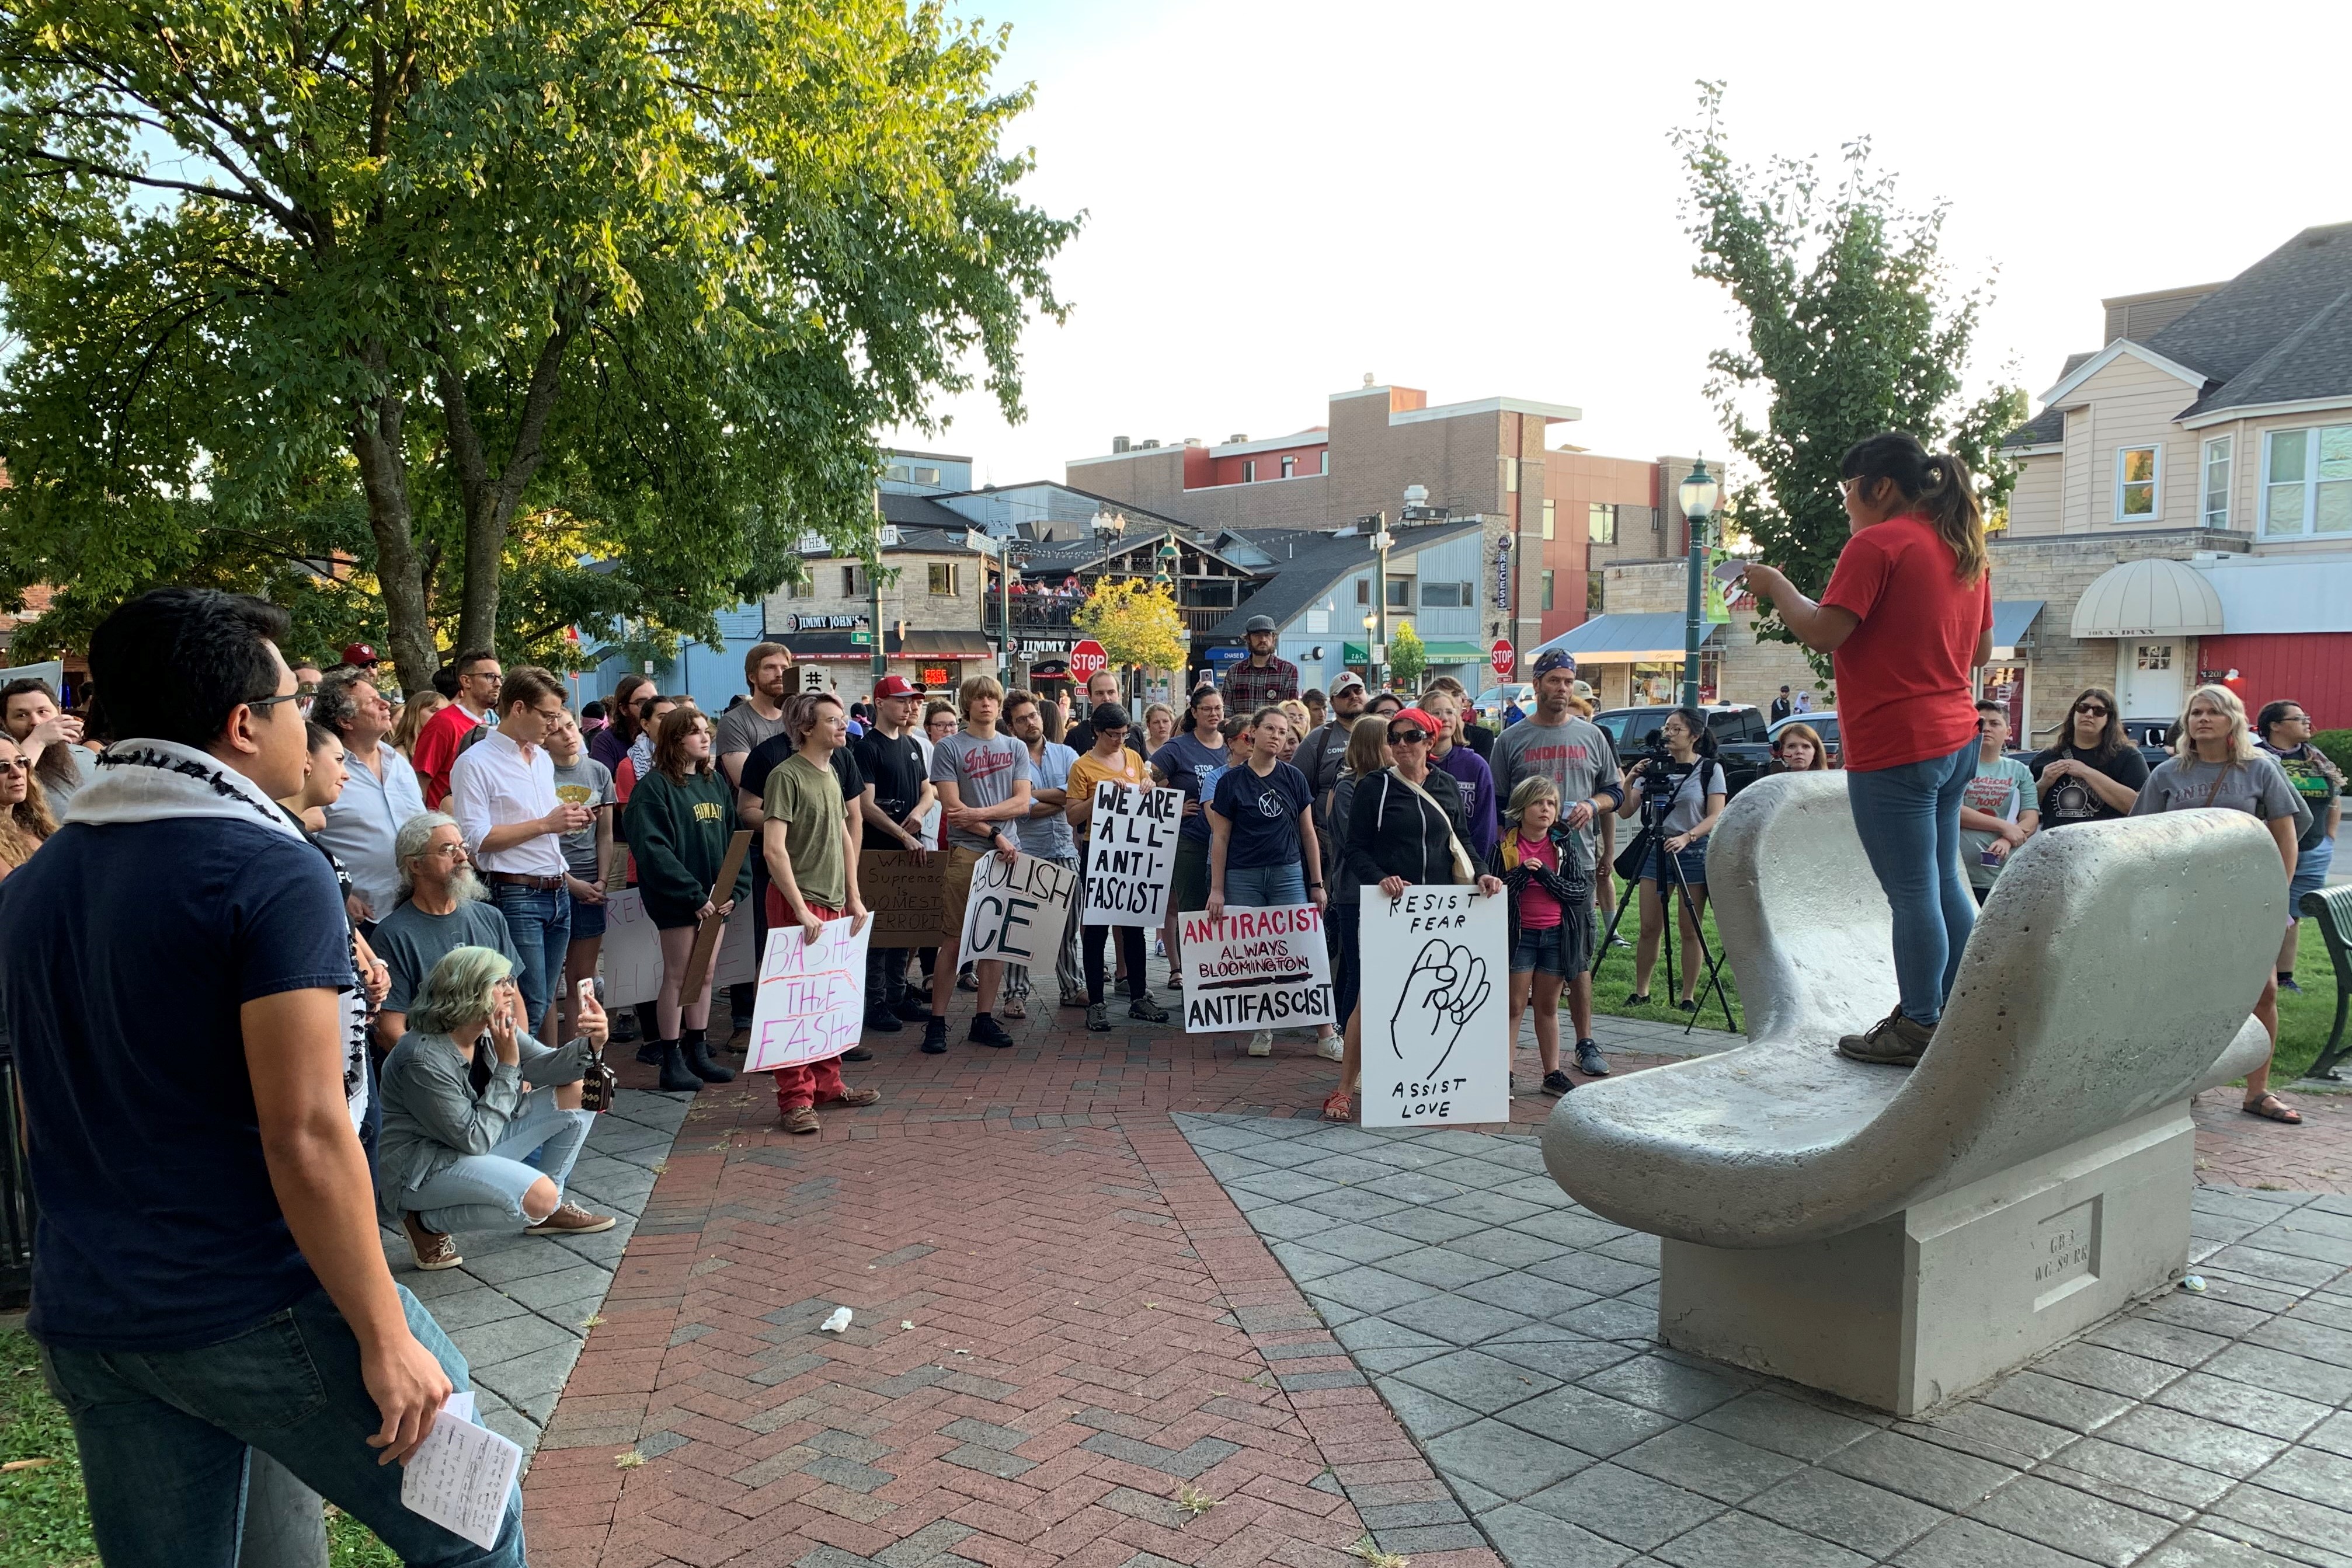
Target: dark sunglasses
x,y
2090,710
1408,737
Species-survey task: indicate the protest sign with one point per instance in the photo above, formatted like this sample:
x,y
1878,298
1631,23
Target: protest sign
x,y
908,893
812,998
1132,854
1436,1007
1016,912
631,956
1255,968
706,935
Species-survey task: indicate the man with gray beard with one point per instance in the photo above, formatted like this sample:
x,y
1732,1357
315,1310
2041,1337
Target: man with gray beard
x,y
442,906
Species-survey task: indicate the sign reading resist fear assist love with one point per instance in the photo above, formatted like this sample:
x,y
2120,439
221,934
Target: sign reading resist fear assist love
x,y
1436,1009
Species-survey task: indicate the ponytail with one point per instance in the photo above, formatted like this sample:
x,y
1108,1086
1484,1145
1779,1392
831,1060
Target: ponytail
x,y
1940,485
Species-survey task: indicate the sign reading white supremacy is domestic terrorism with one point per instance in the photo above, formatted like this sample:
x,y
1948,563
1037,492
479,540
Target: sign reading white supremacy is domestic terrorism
x,y
1255,968
1436,1010
1132,854
811,1004
1016,912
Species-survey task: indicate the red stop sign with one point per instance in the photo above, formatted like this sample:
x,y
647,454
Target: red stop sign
x,y
1087,660
1504,657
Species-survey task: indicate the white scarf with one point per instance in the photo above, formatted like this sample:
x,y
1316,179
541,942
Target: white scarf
x,y
156,781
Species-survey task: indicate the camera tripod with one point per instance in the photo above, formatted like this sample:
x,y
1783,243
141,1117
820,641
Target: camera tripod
x,y
1654,807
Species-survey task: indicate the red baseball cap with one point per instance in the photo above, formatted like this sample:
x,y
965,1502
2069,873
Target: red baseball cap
x,y
359,655
896,686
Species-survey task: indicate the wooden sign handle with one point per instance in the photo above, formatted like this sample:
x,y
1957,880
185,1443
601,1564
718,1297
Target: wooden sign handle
x,y
706,936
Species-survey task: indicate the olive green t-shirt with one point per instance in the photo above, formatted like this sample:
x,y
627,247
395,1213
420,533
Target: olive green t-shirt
x,y
806,798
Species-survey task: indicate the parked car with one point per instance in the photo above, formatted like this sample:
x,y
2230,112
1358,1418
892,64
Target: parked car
x,y
1487,706
1738,730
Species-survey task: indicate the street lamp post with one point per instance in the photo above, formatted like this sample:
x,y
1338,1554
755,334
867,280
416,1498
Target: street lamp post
x,y
1699,493
1376,624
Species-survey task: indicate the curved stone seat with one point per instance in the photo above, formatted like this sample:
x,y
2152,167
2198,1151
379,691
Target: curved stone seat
x,y
2109,979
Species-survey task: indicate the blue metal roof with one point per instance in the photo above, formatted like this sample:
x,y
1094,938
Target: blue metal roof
x,y
2011,619
1628,639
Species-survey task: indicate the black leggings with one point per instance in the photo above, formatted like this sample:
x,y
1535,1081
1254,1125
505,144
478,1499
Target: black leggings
x,y
1130,943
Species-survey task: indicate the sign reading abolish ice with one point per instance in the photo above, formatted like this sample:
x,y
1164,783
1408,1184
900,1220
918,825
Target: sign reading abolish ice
x,y
812,997
1016,912
1255,968
1133,854
1436,1014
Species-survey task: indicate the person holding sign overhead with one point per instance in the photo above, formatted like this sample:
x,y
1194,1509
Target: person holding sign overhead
x,y
1111,760
680,817
807,844
1262,846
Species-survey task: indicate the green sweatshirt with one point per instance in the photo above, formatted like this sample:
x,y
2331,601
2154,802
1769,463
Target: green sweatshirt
x,y
678,833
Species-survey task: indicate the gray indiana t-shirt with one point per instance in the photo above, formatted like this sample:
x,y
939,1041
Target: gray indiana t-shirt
x,y
2182,784
1575,755
580,848
984,772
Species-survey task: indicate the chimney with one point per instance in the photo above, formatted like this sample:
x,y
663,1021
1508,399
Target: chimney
x,y
1147,445
1235,439
1118,443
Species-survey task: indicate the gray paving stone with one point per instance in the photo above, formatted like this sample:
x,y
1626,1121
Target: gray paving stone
x,y
2285,1373
469,1311
1456,1319
1421,1412
1430,1227
1359,1243
1587,1422
1511,1249
506,1265
1569,1229
925,1545
1456,1141
1785,1425
1480,1382
1737,1539
1295,1381
560,1291
1345,1170
2334,1435
1518,1292
2311,1473
1566,1359
1669,1387
2316,1341
2073,1521
1491,1208
1991,1432
1229,1167
1590,1271
1460,1537
2097,1366
1968,1543
1187,1464
2072,1405
1441,1268
848,1474
1415,1188
2144,1472
1529,1539
1305,1264
2205,1313
2262,1410
1369,1289
1379,1334
1934,1474
1349,1203
1852,1513
1406,1515
2193,1440
1625,1506
2168,1342
1632,1248
991,1461
846,1446
1289,1222
2302,1520
1618,1319
2202,1548
504,1339
1282,1186
1474,1172
1708,1463
1505,1460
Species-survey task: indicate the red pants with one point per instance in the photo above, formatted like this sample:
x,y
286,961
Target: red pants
x,y
811,1082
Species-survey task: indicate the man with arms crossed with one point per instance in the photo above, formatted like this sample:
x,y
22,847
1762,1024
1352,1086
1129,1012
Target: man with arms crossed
x,y
985,781
209,1273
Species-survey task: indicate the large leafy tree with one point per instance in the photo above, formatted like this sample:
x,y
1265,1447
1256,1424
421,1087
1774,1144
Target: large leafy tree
x,y
1852,327
404,302
1137,622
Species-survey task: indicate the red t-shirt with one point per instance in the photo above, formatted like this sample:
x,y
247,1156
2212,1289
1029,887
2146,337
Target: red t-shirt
x,y
1905,692
437,749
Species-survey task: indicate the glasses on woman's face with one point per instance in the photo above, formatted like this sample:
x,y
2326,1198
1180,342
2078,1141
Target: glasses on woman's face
x,y
2091,710
15,765
1408,738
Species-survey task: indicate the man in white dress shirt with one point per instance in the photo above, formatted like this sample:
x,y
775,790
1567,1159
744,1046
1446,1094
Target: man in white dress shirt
x,y
502,792
382,795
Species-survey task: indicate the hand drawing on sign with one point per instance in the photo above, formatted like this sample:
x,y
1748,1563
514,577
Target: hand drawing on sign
x,y
1447,987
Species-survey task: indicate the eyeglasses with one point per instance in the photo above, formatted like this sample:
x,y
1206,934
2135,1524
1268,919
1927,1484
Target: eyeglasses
x,y
1838,487
263,704
2090,710
1408,738
15,765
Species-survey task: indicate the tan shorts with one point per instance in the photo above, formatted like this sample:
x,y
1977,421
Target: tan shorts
x,y
958,891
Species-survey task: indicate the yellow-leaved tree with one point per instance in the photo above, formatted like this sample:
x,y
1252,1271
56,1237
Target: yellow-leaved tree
x,y
1135,622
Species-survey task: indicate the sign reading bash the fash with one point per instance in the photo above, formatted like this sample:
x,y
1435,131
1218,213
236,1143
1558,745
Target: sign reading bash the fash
x,y
812,998
1016,912
1436,1017
1255,968
1132,854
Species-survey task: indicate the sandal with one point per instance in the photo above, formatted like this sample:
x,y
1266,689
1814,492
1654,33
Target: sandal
x,y
1014,1008
1339,1106
2285,1113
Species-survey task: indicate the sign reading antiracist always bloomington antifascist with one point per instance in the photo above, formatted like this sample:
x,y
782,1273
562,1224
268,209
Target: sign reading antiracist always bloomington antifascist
x,y
1255,968
1131,854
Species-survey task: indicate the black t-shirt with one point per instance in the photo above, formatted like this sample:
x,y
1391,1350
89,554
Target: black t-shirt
x,y
2066,800
1480,739
894,768
1264,813
769,754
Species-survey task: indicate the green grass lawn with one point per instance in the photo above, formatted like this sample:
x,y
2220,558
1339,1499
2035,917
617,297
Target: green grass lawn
x,y
2303,1020
44,1522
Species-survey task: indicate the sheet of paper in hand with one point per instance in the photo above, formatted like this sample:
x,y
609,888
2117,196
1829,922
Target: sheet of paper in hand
x,y
1132,855
1255,968
631,956
461,1475
1437,1007
1016,912
811,1003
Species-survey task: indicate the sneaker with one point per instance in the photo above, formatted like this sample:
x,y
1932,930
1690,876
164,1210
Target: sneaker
x,y
799,1119
857,1054
1262,1043
431,1249
571,1220
1686,1004
650,1053
1892,1041
1589,1059
914,1009
2288,985
1556,1083
1158,946
882,1020
856,1097
935,1038
986,1030
1331,1048
1098,1018
1148,1010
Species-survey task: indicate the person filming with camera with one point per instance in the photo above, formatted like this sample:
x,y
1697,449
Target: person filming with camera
x,y
1681,786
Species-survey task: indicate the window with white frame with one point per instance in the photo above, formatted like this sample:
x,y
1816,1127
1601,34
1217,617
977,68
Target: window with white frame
x,y
2138,470
1600,524
2307,482
1550,520
1249,471
1290,467
943,575
2217,483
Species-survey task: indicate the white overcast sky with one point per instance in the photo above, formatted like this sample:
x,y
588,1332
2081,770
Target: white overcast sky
x,y
1477,197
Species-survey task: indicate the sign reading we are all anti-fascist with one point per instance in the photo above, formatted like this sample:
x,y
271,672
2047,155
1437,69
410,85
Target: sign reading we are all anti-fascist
x,y
1255,968
1132,853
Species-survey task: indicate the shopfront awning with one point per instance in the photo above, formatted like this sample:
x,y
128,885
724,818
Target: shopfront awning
x,y
1651,637
2152,598
842,647
2011,620
1455,653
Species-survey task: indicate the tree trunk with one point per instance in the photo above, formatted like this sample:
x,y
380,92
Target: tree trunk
x,y
490,501
384,472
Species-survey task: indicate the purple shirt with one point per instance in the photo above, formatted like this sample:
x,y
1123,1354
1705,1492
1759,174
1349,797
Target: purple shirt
x,y
1478,781
607,747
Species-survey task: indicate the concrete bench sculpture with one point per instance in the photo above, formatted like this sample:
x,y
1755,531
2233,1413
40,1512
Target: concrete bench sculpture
x,y
1899,1237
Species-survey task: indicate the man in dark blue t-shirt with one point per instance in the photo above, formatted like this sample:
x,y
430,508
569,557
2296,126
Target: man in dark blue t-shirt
x,y
207,1273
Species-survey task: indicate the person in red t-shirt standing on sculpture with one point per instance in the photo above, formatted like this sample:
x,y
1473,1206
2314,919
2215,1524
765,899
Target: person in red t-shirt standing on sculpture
x,y
443,734
1906,620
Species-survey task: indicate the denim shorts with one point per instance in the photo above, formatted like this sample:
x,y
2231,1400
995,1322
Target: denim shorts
x,y
2310,875
587,919
1691,863
1537,952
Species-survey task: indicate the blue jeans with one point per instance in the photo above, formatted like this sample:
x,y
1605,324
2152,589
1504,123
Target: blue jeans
x,y
1265,886
1909,821
540,924
163,1436
485,1192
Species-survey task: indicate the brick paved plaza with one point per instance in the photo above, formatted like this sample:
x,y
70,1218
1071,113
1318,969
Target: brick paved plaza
x,y
1161,1314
